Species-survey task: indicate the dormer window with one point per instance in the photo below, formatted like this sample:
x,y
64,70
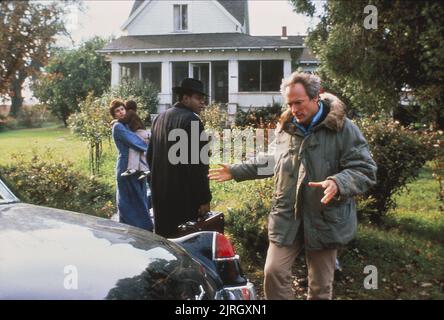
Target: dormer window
x,y
180,17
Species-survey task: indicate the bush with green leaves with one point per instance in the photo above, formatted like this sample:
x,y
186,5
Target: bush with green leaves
x,y
8,123
32,116
92,124
107,97
434,140
259,117
215,117
248,224
399,153
144,90
43,180
28,117
438,173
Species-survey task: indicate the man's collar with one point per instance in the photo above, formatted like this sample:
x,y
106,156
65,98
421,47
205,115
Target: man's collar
x,y
314,120
181,105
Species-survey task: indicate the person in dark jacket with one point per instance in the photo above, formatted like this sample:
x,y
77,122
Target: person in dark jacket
x,y
320,161
179,172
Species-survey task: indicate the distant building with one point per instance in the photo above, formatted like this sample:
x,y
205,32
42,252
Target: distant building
x,y
28,99
4,109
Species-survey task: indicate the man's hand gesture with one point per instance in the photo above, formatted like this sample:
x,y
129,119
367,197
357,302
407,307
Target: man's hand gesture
x,y
220,174
331,189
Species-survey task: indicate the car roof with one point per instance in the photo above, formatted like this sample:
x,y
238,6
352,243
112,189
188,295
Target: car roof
x,y
40,246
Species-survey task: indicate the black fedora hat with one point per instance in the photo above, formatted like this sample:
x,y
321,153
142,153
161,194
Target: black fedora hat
x,y
190,85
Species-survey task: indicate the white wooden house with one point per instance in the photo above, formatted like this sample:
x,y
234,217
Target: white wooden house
x,y
168,40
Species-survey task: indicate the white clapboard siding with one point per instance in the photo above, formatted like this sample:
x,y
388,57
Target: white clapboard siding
x,y
204,17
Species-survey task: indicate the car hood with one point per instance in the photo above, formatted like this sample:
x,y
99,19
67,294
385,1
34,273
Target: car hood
x,y
48,253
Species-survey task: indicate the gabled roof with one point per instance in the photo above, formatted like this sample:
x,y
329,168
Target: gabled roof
x,y
237,8
136,5
200,41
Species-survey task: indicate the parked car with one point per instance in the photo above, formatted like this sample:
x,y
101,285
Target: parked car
x,y
48,253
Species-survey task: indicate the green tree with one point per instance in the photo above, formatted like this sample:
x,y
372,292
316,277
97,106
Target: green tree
x,y
369,68
27,31
69,77
92,124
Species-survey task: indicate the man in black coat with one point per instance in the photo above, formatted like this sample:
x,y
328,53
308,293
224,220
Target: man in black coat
x,y
178,162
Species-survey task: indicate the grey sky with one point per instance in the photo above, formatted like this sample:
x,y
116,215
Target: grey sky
x,y
104,18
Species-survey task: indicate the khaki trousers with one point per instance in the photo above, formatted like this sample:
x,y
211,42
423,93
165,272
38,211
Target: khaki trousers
x,y
277,272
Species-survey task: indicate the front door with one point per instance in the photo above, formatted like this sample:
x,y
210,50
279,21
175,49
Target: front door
x,y
201,71
219,81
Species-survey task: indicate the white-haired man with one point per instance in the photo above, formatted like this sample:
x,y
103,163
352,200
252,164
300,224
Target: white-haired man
x,y
321,161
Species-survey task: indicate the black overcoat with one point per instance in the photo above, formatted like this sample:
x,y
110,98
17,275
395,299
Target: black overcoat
x,y
177,189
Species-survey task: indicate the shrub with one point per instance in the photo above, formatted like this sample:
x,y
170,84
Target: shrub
x,y
144,90
248,224
107,97
215,117
259,117
48,182
7,123
434,141
92,124
2,123
399,153
32,116
438,173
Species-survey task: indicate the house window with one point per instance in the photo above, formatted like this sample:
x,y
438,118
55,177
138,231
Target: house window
x,y
129,71
180,72
249,75
180,17
152,73
262,75
272,74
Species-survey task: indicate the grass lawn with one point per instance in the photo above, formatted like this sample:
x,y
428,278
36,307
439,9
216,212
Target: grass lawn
x,y
408,253
59,143
26,141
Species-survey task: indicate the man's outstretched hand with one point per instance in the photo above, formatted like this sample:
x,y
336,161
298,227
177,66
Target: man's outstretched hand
x,y
330,186
220,174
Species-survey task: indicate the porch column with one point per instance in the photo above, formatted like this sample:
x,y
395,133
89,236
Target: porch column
x,y
115,74
233,86
165,90
287,68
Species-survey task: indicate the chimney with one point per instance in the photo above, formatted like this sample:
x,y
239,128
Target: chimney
x,y
284,33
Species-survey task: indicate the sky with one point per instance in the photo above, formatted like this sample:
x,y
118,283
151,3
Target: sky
x,y
105,17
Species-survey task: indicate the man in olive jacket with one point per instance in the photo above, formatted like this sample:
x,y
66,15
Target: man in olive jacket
x,y
180,187
320,161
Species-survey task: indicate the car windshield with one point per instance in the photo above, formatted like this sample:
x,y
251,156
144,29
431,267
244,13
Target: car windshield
x,y
6,195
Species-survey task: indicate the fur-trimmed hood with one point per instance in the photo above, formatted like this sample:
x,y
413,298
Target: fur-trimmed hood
x,y
334,119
